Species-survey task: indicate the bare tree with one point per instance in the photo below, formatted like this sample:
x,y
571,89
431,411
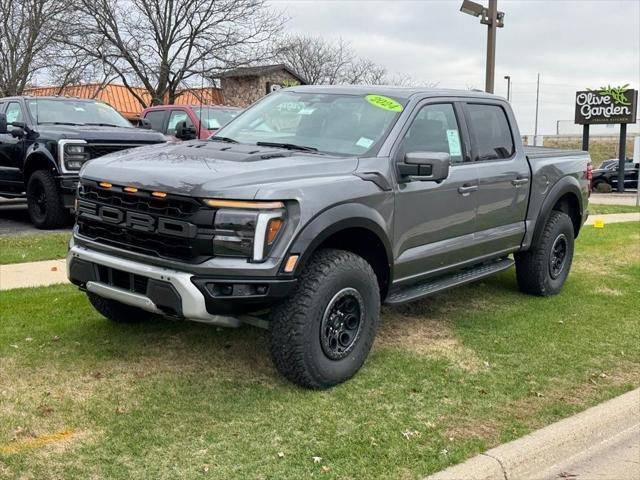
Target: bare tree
x,y
27,32
164,45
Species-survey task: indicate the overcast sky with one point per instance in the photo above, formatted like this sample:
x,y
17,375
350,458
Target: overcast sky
x,y
573,44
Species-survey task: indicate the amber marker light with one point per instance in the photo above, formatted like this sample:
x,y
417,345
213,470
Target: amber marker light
x,y
159,194
272,229
105,185
130,189
291,263
243,204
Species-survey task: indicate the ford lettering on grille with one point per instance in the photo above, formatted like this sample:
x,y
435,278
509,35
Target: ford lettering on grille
x,y
137,221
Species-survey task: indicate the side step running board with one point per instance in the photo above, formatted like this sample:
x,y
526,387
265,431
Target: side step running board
x,y
420,290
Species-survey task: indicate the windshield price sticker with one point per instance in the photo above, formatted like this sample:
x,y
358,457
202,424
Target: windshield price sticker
x,y
454,143
383,102
364,142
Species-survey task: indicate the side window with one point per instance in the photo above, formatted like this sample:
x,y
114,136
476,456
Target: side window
x,y
14,113
176,117
490,132
156,118
435,129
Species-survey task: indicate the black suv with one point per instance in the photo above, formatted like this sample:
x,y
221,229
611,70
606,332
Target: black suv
x,y
44,141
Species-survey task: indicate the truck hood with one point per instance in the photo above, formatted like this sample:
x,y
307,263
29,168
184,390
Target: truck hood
x,y
97,134
213,169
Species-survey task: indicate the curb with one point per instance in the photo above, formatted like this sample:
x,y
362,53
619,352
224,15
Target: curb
x,y
535,453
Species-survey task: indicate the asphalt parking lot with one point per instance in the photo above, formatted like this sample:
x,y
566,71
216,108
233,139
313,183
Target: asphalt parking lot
x,y
14,219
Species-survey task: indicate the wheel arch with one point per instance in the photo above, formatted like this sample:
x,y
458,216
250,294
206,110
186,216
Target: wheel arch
x,y
352,227
38,160
566,197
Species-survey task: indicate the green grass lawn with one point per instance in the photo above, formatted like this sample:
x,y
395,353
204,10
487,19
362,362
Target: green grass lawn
x,y
448,378
600,209
30,248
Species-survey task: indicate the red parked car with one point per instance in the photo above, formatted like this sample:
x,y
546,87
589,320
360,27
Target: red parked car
x,y
186,122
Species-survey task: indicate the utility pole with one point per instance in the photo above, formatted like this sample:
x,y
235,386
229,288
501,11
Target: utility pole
x,y
535,135
491,45
493,19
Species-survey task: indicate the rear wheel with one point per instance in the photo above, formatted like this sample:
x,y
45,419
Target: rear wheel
x,y
544,268
119,312
44,201
321,335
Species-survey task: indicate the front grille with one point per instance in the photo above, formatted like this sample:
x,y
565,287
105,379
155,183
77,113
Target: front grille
x,y
174,206
194,245
99,149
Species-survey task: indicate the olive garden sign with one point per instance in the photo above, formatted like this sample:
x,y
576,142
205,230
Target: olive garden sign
x,y
606,105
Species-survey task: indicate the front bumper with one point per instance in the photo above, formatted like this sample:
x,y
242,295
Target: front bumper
x,y
209,299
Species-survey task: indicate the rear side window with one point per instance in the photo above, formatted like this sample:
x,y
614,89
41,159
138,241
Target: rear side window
x,y
156,118
490,132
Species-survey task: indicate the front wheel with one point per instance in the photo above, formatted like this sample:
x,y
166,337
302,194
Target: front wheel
x,y
544,268
44,201
321,335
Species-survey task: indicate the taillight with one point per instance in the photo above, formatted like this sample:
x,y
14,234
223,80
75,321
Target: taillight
x,y
589,175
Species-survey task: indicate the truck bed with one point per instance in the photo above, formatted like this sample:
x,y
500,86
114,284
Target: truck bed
x,y
545,152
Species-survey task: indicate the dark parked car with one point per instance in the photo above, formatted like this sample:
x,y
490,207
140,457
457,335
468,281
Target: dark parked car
x,y
44,141
318,204
609,176
188,122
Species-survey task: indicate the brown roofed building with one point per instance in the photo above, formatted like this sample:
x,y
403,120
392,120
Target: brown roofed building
x,y
245,85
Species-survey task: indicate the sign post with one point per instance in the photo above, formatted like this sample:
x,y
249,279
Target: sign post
x,y
608,105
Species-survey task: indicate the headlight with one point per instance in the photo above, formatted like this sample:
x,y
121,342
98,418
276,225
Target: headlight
x,y
246,229
73,154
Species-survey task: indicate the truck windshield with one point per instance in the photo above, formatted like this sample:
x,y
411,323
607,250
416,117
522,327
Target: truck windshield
x,y
75,112
214,118
331,123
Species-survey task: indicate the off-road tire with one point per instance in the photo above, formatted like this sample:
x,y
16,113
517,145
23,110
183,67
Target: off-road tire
x,y
119,312
44,201
296,323
533,268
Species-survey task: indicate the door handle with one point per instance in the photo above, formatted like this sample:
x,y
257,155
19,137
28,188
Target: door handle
x,y
466,189
519,181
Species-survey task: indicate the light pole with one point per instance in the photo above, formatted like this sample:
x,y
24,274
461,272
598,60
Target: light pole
x,y
508,79
493,19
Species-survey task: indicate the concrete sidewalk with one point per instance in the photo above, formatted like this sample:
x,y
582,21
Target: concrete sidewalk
x,y
33,274
602,442
614,218
613,198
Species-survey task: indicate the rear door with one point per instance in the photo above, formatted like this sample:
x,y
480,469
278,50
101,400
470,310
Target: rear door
x,y
503,177
434,221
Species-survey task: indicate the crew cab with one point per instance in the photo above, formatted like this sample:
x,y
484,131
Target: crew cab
x,y
188,122
44,141
318,204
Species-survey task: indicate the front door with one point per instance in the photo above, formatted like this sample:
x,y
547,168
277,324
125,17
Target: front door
x,y
434,221
12,152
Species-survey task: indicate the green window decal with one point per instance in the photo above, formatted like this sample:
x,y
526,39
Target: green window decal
x,y
383,102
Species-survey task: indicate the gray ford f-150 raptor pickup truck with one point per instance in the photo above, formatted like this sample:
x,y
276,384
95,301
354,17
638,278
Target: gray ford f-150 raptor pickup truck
x,y
316,205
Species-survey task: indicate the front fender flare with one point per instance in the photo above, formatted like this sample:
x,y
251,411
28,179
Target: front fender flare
x,y
333,220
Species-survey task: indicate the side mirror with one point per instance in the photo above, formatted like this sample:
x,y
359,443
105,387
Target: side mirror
x,y
185,133
425,166
144,124
3,123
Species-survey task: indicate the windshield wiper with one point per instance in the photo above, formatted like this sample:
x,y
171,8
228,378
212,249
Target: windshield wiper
x,y
61,123
103,124
216,138
288,146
